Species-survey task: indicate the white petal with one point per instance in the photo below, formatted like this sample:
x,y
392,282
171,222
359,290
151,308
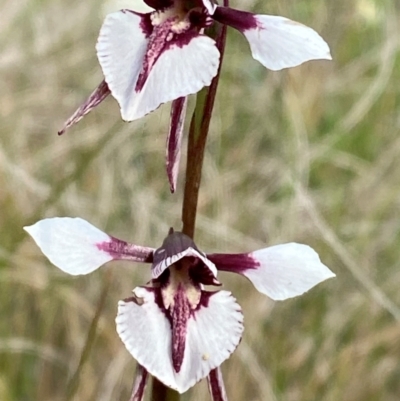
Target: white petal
x,y
287,270
121,47
212,335
181,70
279,43
71,244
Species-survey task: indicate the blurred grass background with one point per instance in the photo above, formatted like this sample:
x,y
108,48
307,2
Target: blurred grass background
x,y
309,155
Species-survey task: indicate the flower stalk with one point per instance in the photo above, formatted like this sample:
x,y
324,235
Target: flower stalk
x,y
198,133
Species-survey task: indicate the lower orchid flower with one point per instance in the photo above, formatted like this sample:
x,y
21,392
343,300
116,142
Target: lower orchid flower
x,y
156,57
175,329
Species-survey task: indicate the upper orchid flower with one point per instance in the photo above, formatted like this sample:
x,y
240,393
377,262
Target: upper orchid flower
x,y
174,328
149,59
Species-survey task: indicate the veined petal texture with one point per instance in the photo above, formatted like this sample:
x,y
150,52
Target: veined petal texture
x,y
213,332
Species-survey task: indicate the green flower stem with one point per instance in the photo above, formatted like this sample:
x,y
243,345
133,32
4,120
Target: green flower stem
x,y
74,381
198,132
162,393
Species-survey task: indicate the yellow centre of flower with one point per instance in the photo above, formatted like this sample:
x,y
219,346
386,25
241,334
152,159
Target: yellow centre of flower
x,y
179,279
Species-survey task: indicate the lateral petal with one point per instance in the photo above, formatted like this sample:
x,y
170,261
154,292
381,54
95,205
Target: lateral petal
x,y
280,271
276,42
121,48
213,333
77,247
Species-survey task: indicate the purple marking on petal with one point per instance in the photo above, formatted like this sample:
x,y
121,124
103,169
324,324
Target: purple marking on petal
x,y
174,140
155,47
145,23
180,313
161,40
216,385
234,263
96,97
239,20
140,384
182,39
123,250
